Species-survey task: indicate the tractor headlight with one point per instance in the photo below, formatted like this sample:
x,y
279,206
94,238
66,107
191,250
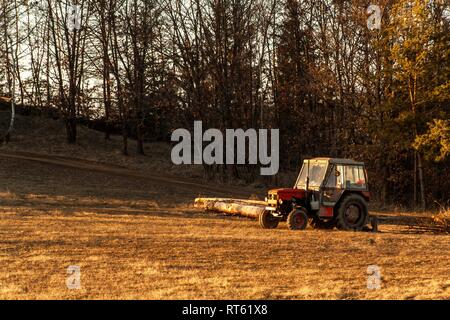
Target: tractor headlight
x,y
280,202
265,199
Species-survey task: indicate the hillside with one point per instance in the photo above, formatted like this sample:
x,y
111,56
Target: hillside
x,y
129,224
47,136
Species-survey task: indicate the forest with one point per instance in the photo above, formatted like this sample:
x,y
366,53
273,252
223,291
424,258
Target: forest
x,y
317,70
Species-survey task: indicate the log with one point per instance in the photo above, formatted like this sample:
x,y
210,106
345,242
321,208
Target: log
x,y
234,207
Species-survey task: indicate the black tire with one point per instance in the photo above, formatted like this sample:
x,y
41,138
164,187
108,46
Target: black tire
x,y
297,219
319,224
352,213
268,221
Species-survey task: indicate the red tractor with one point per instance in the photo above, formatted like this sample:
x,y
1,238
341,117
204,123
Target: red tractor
x,y
328,193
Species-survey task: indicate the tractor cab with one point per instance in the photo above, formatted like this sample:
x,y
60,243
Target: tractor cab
x,y
328,192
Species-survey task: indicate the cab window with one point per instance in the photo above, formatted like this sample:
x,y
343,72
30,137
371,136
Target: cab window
x,y
316,174
335,177
355,177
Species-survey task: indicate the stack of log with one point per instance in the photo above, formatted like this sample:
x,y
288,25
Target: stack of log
x,y
235,207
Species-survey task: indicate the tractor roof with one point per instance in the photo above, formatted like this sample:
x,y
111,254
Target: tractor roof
x,y
339,161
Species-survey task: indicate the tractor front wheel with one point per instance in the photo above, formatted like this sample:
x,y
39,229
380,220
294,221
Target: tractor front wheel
x,y
268,221
352,213
297,219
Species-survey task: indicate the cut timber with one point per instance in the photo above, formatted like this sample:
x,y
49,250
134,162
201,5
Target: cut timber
x,y
237,207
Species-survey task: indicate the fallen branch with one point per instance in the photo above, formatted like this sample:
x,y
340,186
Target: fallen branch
x,y
435,224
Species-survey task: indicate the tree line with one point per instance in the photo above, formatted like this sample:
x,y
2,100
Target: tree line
x,y
314,69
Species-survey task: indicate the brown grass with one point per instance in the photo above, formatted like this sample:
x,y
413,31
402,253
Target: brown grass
x,y
175,255
135,239
442,218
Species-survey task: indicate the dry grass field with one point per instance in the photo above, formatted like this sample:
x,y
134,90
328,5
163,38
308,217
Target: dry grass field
x,y
138,238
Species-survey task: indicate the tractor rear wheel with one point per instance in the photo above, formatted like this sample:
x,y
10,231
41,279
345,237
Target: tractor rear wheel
x,y
268,221
297,219
352,213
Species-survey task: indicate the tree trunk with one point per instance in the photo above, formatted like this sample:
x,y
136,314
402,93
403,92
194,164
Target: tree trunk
x,y
107,103
421,184
125,138
238,207
415,181
384,192
71,130
140,140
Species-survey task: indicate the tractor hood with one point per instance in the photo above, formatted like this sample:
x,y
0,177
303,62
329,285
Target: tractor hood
x,y
287,194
